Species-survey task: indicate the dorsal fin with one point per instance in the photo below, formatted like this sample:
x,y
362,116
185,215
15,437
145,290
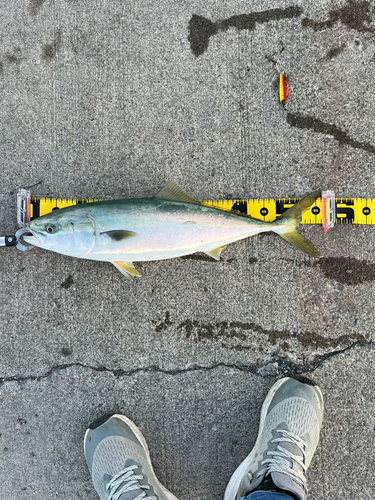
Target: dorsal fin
x,y
172,192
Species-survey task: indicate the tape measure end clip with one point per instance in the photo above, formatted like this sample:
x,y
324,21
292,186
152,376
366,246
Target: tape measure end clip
x,y
328,209
23,207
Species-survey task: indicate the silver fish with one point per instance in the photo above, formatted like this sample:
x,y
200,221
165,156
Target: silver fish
x,y
170,225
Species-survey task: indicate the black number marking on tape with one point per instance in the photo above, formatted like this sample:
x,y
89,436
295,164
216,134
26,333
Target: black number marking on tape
x,y
366,211
240,206
344,215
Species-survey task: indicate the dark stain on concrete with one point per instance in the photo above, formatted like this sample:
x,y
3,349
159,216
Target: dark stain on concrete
x,y
50,50
68,282
253,260
355,14
210,331
200,31
311,339
22,421
163,325
346,270
35,6
312,123
334,52
66,351
199,331
12,57
201,28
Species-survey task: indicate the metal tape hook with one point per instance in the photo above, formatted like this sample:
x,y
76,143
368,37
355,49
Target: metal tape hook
x,y
20,245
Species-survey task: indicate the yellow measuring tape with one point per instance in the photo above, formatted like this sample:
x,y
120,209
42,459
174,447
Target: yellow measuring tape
x,y
348,210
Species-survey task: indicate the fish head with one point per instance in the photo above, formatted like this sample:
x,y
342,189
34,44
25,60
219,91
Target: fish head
x,y
65,232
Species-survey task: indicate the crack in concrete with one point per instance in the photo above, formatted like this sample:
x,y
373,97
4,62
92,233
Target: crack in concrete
x,y
285,367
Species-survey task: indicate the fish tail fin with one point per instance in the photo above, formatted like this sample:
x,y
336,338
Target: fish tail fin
x,y
287,225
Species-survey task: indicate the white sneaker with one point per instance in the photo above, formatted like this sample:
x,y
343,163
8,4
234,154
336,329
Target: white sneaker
x,y
119,462
290,424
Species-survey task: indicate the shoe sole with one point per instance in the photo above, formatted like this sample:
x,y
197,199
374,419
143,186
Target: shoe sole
x,y
142,440
235,480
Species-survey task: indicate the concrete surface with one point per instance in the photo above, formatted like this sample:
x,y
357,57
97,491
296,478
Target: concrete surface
x,y
112,99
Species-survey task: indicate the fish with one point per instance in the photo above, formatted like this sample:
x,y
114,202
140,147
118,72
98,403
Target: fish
x,y
172,224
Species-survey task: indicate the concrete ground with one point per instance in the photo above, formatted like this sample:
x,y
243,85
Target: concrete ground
x,y
112,99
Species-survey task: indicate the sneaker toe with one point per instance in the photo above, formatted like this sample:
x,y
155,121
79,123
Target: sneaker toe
x,y
113,426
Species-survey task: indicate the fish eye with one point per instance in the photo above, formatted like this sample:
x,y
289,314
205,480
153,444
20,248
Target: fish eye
x,y
50,228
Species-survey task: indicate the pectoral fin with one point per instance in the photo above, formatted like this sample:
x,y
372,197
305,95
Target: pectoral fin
x,y
119,234
215,252
172,192
127,269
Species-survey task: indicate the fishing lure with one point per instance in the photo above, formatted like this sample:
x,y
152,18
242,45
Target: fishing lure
x,y
282,90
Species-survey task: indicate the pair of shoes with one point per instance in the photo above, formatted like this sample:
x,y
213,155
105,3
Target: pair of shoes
x,y
291,418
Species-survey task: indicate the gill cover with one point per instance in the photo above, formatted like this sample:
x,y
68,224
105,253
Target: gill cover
x,y
66,233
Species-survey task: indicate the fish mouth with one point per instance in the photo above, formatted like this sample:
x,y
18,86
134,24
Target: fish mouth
x,y
34,237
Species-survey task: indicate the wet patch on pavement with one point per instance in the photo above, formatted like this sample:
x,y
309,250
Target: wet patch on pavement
x,y
199,331
35,6
13,57
201,28
68,282
163,325
334,52
345,270
50,50
355,14
312,123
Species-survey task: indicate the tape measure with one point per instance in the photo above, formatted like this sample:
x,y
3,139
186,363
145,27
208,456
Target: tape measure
x,y
344,210
326,210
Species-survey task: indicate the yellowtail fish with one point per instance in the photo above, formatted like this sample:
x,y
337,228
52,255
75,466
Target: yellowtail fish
x,y
170,225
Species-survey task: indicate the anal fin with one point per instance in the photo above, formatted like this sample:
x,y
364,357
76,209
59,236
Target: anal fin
x,y
215,252
127,269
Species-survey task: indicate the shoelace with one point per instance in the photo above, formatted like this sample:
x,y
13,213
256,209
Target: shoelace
x,y
281,460
126,481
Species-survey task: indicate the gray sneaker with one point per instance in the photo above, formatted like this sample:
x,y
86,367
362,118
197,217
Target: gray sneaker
x,y
119,462
290,424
